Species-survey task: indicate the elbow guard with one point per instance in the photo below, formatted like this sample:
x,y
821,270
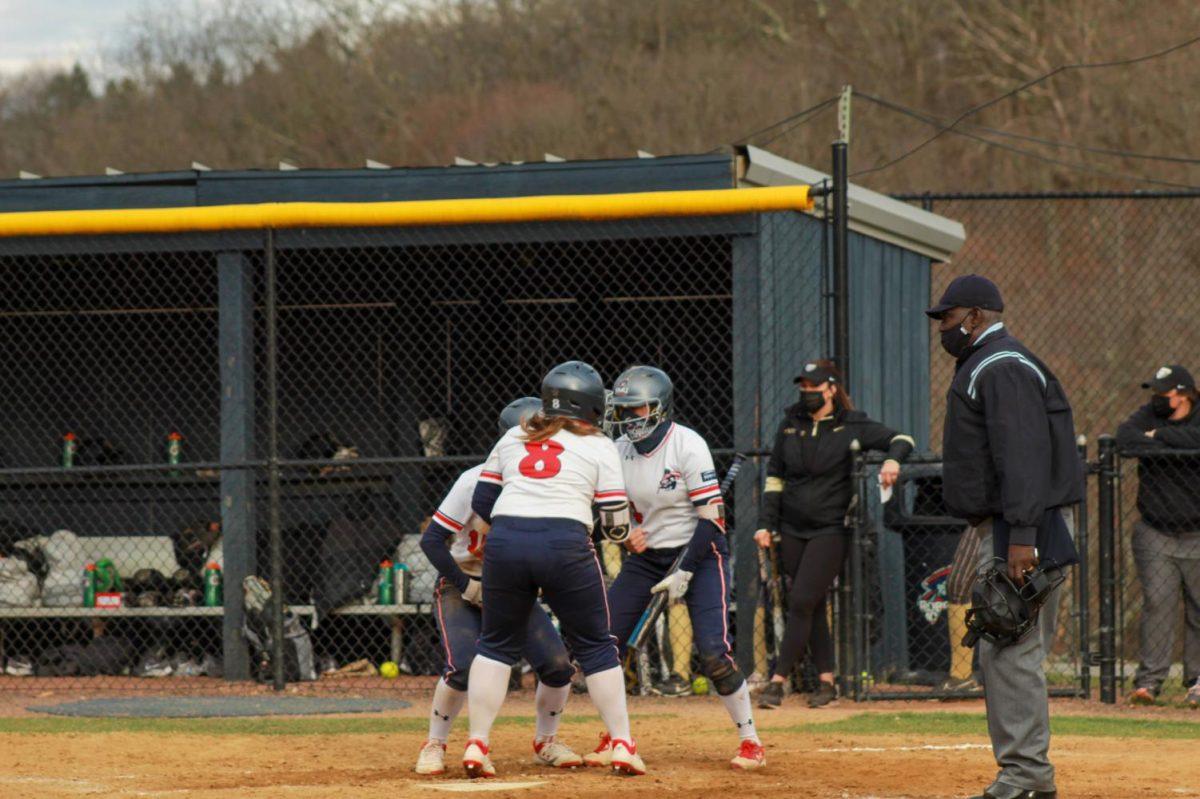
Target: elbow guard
x,y
614,521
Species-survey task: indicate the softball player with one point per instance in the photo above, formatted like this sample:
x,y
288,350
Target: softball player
x,y
677,507
459,619
537,490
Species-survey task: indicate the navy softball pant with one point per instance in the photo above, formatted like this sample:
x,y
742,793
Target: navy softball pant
x,y
555,556
707,600
459,624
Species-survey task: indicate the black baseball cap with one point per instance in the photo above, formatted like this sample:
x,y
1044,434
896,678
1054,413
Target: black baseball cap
x,y
1170,377
968,291
816,373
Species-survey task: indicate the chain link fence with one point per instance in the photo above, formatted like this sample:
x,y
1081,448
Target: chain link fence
x,y
172,401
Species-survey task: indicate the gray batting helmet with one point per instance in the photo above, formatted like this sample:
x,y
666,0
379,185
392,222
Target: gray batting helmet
x,y
640,386
518,411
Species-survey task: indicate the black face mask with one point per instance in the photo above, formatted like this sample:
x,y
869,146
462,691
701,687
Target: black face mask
x,y
955,340
1161,406
812,401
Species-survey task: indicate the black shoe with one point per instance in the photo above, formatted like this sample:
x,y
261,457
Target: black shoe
x,y
771,696
825,694
1000,790
672,686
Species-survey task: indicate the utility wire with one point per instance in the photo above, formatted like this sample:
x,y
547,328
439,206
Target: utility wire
x,y
933,121
1064,68
816,113
810,110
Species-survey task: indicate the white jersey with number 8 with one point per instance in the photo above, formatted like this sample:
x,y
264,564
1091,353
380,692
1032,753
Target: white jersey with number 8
x,y
560,477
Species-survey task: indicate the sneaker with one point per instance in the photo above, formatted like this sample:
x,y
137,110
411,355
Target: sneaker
x,y
19,666
601,755
476,761
625,759
750,756
771,696
1142,696
672,686
953,685
825,694
1193,695
554,754
432,758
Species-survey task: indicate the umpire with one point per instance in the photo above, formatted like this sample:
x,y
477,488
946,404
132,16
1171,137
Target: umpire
x,y
1010,466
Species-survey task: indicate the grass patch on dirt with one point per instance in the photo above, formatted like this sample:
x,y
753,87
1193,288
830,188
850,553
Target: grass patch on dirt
x,y
911,724
292,725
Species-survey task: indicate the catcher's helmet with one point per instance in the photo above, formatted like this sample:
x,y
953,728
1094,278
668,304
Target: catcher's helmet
x,y
1003,612
574,389
518,411
639,386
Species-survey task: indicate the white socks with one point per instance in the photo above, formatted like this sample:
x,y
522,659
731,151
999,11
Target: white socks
x,y
486,689
447,704
738,705
607,690
550,705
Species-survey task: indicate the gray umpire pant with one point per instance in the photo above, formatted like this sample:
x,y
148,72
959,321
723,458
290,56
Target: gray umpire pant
x,y
1167,566
1014,689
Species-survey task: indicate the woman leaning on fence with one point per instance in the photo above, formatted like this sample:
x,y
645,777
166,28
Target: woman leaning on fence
x,y
808,491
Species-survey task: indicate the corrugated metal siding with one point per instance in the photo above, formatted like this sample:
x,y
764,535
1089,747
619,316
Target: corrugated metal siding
x,y
889,335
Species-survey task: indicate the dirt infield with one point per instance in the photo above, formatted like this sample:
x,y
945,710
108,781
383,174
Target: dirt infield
x,y
686,743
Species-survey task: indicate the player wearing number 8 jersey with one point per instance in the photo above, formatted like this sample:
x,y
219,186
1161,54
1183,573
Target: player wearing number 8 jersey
x,y
459,618
678,509
537,489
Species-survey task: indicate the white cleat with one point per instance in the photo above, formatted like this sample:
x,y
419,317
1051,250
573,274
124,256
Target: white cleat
x,y
554,754
626,760
432,758
476,761
750,756
601,757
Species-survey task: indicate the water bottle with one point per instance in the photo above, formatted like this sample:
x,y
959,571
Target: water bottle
x,y
399,575
174,451
213,587
89,585
69,446
386,589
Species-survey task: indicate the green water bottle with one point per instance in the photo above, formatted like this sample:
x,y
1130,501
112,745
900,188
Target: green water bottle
x,y
89,585
69,446
213,587
174,451
386,590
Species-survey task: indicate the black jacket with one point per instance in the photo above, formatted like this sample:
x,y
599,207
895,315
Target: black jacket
x,y
809,475
1168,485
1009,440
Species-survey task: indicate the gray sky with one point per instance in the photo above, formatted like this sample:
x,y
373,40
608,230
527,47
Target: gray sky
x,y
57,32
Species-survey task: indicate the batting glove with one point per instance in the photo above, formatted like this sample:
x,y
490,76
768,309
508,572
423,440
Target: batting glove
x,y
675,584
474,593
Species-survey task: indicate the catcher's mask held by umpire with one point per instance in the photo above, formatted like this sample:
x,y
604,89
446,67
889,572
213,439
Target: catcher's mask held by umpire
x,y
1003,612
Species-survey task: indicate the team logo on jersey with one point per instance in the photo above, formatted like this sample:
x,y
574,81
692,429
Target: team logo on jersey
x,y
932,599
670,480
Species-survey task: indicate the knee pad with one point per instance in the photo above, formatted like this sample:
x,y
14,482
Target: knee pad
x,y
557,672
725,676
456,679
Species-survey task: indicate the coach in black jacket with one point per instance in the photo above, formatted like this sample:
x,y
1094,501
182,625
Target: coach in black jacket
x,y
1166,539
1010,467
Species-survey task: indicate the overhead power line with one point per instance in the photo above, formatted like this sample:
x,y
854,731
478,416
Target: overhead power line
x,y
799,115
1041,78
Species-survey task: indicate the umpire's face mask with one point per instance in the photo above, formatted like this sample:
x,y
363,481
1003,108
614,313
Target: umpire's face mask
x,y
956,340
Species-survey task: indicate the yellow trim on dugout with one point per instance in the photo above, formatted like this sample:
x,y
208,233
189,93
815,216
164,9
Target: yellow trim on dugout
x,y
495,210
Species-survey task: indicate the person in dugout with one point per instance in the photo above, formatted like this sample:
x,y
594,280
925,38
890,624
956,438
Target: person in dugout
x,y
807,495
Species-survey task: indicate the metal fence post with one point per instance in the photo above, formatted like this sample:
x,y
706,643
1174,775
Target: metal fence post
x,y
857,587
1107,567
841,267
1082,578
276,543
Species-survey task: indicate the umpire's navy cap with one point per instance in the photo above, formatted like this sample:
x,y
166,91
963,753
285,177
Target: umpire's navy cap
x,y
1168,378
968,291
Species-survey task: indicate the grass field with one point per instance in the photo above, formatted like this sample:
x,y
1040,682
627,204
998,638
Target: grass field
x,y
885,751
